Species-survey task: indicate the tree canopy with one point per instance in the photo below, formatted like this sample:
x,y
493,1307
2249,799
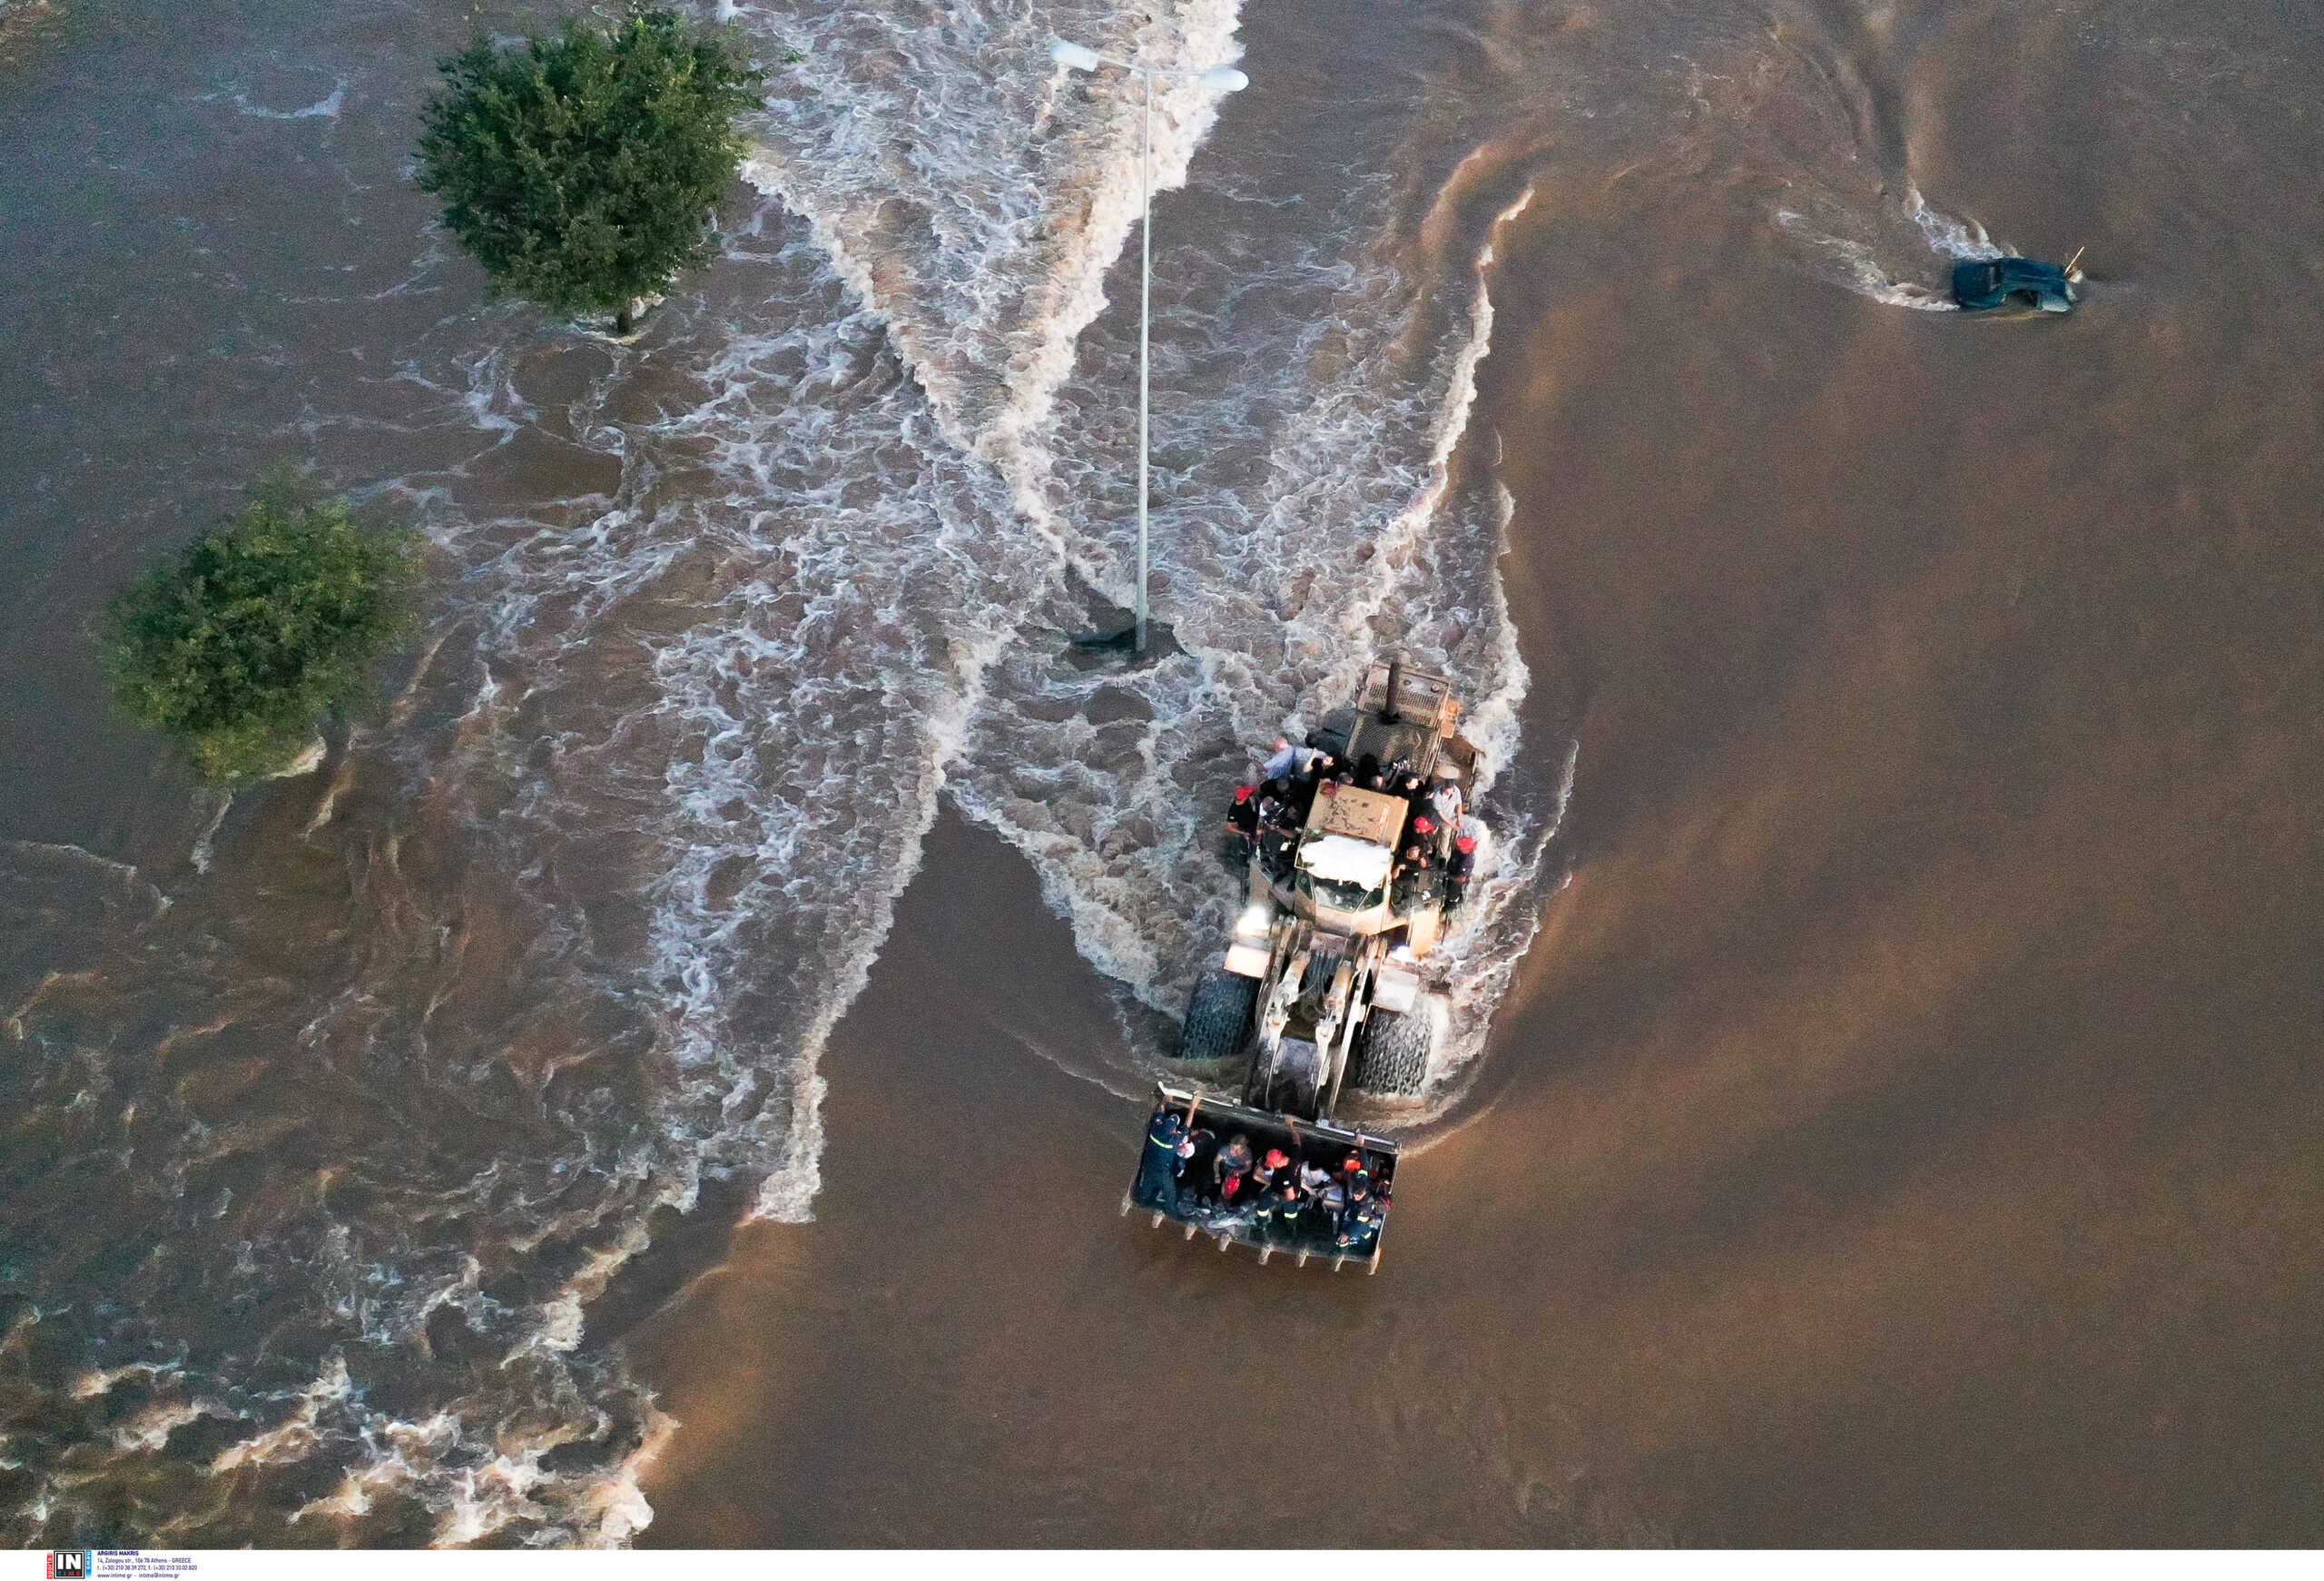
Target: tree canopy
x,y
259,629
581,169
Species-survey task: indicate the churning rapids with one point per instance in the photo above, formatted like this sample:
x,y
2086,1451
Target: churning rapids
x,y
340,1105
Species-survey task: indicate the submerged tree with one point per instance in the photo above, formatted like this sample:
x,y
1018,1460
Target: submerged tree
x,y
580,170
259,629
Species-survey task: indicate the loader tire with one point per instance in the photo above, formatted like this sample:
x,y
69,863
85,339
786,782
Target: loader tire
x,y
1392,1050
1218,1017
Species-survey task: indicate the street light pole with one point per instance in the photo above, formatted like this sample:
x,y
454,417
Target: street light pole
x,y
1145,330
1075,57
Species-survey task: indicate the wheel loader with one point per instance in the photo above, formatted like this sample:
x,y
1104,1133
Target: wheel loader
x,y
1323,990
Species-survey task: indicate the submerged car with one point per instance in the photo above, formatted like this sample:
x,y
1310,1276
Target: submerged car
x,y
1989,283
1324,987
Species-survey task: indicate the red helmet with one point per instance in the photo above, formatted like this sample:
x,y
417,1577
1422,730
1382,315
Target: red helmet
x,y
1466,843
1275,1159
1352,1161
1242,794
1420,825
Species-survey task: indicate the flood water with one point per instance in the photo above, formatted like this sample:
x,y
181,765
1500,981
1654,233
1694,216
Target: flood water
x,y
668,1077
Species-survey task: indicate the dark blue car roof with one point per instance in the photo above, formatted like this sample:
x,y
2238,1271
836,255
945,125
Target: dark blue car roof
x,y
1986,283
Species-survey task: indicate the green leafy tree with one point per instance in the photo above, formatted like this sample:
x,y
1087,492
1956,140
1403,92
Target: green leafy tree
x,y
259,629
581,169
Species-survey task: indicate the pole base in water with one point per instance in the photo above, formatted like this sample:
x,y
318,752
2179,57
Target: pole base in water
x,y
1108,644
1122,641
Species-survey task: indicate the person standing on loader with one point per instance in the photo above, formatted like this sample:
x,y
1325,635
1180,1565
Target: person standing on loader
x,y
1284,760
1416,877
1446,800
1242,823
1458,868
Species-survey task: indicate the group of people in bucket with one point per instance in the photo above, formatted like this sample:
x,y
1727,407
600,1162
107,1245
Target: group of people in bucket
x,y
1319,1196
1435,857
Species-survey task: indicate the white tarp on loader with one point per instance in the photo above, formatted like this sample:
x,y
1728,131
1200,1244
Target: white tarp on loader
x,y
1337,859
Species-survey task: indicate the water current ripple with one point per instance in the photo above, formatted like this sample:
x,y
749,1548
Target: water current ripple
x,y
727,615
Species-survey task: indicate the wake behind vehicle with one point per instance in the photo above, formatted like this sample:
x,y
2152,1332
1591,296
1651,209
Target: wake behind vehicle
x,y
1354,870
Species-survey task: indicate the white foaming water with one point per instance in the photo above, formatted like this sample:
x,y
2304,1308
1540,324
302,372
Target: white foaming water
x,y
741,681
974,195
1949,235
1865,264
735,684
695,726
326,108
1345,539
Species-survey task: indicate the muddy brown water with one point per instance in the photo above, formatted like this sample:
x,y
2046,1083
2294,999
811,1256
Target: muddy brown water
x,y
1901,1129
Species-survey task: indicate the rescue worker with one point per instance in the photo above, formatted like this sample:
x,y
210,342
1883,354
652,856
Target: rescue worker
x,y
1366,1212
1279,1210
1458,869
1263,1211
1157,1170
1243,823
1271,1168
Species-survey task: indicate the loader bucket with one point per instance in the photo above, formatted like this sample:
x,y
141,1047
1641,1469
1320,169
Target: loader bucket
x,y
1184,1191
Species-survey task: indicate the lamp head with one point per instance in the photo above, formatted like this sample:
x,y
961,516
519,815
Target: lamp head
x,y
1073,56
1225,79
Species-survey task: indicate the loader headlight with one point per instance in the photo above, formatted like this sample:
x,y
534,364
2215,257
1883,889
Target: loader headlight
x,y
1255,921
